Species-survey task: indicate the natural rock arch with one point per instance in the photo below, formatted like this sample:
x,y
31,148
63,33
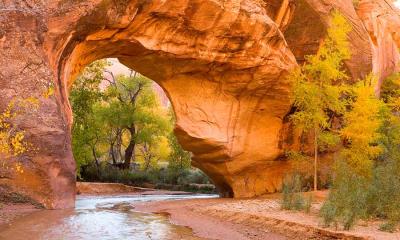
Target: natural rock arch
x,y
223,65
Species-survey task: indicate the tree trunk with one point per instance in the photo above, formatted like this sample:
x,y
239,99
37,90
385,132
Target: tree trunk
x,y
96,161
147,157
315,160
130,150
119,145
112,153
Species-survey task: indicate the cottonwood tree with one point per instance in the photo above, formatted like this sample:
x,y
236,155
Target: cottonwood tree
x,y
318,87
354,186
179,160
87,129
133,107
361,128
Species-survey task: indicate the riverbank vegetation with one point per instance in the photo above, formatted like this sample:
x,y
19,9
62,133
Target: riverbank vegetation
x,y
123,132
355,125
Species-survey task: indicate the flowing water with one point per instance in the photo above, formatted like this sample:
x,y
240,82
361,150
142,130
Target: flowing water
x,y
98,218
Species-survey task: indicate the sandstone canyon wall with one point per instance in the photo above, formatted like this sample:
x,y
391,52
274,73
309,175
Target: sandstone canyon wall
x,y
223,64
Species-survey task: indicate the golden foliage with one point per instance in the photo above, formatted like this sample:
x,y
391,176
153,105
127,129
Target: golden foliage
x,y
12,139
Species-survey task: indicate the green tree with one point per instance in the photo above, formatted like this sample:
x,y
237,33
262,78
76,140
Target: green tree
x,y
318,87
179,160
133,107
87,130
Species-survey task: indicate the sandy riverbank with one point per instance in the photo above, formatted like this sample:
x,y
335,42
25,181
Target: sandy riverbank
x,y
255,219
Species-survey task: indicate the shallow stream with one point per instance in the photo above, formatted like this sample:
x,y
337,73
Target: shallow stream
x,y
98,218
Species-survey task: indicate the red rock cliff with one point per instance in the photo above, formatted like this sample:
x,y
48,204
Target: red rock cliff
x,y
223,64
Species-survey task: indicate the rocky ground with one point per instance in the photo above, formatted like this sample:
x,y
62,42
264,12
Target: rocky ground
x,y
256,219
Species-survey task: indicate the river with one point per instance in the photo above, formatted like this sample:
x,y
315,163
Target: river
x,y
98,218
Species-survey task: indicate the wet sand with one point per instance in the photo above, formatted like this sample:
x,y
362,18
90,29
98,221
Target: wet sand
x,y
11,211
255,219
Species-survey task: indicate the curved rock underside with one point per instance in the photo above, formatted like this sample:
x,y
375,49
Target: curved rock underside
x,y
223,64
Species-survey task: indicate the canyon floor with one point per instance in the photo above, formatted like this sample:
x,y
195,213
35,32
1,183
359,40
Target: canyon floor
x,y
221,218
257,219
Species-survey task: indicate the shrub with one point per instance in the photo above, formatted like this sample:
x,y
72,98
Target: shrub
x,y
194,176
292,193
388,227
308,204
108,173
347,201
164,178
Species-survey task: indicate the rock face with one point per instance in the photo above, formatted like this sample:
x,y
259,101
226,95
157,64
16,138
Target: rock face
x,y
223,64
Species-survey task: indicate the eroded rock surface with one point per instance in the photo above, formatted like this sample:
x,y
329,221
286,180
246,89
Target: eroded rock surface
x,y
223,64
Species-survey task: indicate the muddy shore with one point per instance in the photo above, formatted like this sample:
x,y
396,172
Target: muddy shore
x,y
14,205
258,219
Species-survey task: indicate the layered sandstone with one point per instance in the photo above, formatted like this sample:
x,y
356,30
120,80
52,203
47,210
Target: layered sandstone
x,y
223,65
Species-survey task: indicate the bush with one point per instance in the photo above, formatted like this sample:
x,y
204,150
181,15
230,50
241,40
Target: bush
x,y
194,176
388,227
308,204
384,195
109,173
354,197
292,193
164,178
347,201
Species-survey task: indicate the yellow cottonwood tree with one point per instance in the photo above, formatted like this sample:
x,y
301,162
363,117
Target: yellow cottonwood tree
x,y
317,87
361,128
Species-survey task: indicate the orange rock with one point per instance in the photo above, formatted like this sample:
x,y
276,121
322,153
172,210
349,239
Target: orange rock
x,y
223,64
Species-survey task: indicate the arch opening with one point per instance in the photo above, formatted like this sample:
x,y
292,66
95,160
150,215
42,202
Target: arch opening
x,y
123,131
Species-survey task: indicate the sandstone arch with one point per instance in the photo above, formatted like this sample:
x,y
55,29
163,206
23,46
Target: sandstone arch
x,y
222,63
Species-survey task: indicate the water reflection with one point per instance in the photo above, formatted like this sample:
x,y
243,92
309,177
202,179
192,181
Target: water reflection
x,y
98,218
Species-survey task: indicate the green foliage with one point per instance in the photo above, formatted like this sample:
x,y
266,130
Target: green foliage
x,y
193,176
328,140
384,191
390,91
388,227
87,130
108,173
347,199
133,107
118,119
308,204
179,160
292,194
